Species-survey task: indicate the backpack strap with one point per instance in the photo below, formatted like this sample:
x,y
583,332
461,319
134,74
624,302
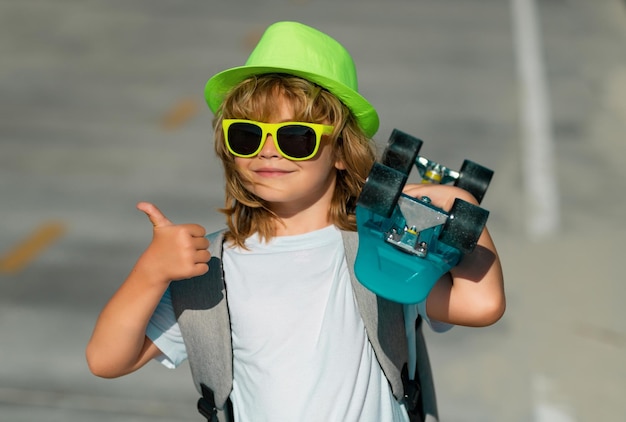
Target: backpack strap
x,y
384,322
419,388
424,375
202,313
207,408
385,325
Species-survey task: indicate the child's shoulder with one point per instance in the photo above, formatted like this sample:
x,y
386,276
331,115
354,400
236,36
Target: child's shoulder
x,y
216,240
217,233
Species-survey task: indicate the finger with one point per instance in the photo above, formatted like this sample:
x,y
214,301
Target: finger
x,y
442,196
154,214
195,230
201,269
202,256
412,189
418,190
200,243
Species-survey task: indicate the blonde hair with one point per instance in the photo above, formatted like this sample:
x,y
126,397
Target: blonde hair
x,y
255,99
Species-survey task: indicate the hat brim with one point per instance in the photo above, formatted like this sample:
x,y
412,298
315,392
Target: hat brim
x,y
220,84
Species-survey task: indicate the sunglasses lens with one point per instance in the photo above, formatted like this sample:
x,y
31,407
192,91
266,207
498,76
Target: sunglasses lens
x,y
296,141
244,138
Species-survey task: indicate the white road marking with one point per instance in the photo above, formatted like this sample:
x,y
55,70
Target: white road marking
x,y
538,165
546,407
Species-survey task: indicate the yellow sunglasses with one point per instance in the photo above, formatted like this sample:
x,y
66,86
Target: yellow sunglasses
x,y
295,141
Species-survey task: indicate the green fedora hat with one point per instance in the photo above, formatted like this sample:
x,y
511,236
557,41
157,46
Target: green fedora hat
x,y
297,49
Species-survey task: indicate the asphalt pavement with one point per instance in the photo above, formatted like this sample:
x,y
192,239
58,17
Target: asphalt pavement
x,y
101,107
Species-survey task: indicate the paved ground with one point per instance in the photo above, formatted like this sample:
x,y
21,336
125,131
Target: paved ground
x,y
101,107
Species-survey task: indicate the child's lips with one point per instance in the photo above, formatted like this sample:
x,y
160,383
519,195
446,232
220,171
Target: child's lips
x,y
271,172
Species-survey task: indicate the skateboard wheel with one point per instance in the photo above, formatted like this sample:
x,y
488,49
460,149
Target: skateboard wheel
x,y
382,189
464,225
474,178
401,151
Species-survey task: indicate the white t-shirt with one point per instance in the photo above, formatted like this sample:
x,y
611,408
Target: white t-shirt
x,y
300,351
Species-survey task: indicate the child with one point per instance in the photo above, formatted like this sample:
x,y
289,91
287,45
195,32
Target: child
x,y
272,317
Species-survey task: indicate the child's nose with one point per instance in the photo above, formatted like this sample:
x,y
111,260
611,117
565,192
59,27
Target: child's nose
x,y
269,149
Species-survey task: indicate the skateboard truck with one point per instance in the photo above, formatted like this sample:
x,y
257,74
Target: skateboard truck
x,y
406,244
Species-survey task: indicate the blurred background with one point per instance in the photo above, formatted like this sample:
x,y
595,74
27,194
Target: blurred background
x,y
101,106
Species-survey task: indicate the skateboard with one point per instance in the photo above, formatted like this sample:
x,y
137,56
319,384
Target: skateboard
x,y
406,244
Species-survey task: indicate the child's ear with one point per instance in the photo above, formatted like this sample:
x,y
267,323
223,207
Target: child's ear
x,y
339,165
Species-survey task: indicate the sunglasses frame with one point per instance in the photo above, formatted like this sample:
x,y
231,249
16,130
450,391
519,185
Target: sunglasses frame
x,y
272,129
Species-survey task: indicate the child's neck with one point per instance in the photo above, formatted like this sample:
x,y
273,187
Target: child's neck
x,y
301,222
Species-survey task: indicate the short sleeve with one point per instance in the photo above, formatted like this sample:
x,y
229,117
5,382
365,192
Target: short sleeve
x,y
164,332
436,326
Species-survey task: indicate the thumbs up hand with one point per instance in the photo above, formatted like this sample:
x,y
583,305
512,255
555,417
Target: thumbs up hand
x,y
177,251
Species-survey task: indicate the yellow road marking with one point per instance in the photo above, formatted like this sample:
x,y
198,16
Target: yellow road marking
x,y
18,257
179,114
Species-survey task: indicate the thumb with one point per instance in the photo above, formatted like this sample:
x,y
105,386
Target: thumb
x,y
154,214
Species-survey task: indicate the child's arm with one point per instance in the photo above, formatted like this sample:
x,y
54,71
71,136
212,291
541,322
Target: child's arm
x,y
472,293
118,344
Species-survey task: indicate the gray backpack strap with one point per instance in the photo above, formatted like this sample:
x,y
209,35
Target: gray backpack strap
x,y
384,323
202,313
425,377
386,330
